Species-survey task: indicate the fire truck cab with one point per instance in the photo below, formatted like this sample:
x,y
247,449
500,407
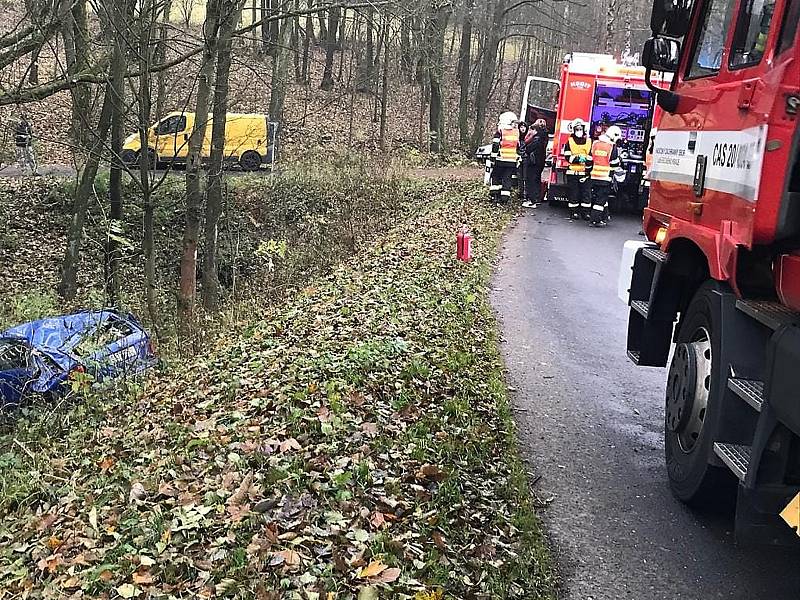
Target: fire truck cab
x,y
604,92
716,289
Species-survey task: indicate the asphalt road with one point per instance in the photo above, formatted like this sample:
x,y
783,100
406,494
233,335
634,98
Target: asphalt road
x,y
591,425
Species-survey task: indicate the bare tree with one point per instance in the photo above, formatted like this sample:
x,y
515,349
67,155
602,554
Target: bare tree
x,y
229,17
330,47
188,282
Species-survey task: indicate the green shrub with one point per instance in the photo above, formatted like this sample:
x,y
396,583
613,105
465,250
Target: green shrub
x,y
27,306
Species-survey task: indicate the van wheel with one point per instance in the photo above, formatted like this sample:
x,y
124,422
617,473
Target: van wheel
x,y
129,158
250,161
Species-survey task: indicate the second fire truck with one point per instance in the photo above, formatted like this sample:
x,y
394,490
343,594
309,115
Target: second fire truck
x,y
602,92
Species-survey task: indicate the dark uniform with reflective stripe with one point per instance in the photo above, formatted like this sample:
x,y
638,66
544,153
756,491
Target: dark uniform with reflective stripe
x,y
505,159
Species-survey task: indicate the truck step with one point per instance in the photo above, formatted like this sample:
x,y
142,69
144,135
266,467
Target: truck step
x,y
656,255
772,314
736,457
634,355
640,306
749,390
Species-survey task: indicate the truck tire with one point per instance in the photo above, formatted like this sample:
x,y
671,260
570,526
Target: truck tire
x,y
694,403
250,161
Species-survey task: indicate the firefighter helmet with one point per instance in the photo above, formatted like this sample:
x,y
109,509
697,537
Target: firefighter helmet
x,y
507,120
614,134
578,123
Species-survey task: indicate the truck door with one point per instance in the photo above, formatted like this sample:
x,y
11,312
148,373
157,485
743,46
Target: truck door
x,y
714,146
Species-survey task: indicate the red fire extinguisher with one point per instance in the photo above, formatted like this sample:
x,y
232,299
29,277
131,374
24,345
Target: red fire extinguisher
x,y
464,245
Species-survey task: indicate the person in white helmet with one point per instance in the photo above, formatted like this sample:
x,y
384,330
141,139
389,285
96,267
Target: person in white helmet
x,y
504,157
606,161
578,152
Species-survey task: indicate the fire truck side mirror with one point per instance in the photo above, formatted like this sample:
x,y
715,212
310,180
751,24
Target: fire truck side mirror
x,y
661,54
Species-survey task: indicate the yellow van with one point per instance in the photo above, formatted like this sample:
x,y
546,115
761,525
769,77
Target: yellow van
x,y
249,141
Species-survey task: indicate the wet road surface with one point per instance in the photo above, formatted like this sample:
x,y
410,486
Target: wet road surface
x,y
591,425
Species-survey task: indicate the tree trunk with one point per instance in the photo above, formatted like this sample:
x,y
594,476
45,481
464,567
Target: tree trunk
x,y
488,68
265,28
280,70
274,25
436,28
81,103
385,84
365,79
307,45
160,57
253,19
68,287
33,70
231,9
323,30
464,63
513,87
188,283
294,44
406,58
330,48
144,118
342,31
118,13
611,17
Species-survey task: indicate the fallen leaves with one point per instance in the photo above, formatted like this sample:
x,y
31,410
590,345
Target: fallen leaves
x,y
137,493
348,445
377,572
372,569
127,590
142,577
289,558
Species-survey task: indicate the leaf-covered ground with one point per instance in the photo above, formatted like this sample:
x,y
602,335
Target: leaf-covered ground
x,y
353,442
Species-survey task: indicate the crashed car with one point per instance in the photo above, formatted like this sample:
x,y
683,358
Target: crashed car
x,y
41,356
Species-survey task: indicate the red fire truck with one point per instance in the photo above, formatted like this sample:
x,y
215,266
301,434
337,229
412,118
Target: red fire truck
x,y
716,289
603,92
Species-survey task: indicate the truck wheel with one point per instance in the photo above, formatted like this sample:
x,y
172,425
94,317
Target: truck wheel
x,y
250,161
693,404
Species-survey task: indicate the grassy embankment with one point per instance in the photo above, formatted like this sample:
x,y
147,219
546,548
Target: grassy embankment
x,y
352,441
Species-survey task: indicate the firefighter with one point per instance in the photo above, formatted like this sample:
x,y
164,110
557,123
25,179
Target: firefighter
x,y
578,152
504,157
606,160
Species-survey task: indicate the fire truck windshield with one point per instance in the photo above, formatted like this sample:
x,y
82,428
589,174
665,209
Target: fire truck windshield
x,y
707,56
